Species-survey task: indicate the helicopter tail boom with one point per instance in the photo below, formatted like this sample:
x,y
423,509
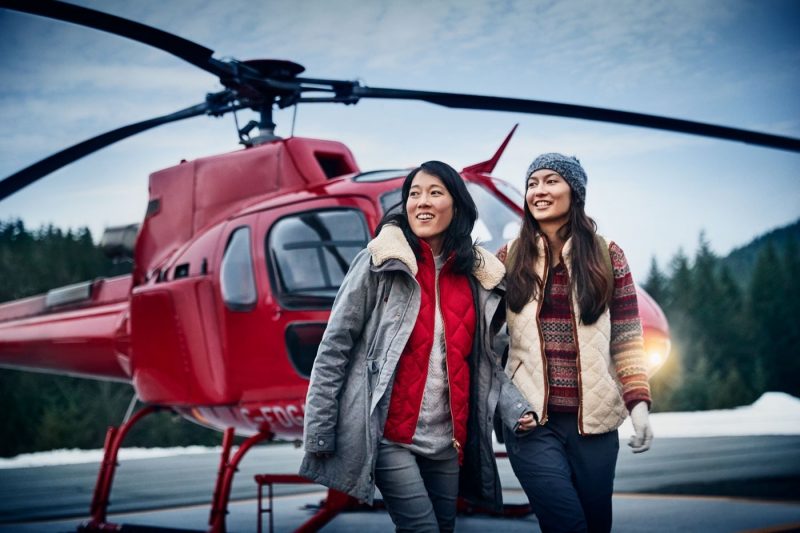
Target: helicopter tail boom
x,y
79,330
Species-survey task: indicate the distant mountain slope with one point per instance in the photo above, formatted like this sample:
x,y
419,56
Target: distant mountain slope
x,y
741,261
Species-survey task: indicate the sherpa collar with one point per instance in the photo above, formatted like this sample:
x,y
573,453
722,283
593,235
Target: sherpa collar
x,y
391,244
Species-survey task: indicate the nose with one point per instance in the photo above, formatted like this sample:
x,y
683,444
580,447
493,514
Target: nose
x,y
423,199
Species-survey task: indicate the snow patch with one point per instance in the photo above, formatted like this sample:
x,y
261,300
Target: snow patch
x,y
775,413
75,456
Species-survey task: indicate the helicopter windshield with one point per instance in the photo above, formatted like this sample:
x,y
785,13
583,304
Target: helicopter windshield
x,y
496,224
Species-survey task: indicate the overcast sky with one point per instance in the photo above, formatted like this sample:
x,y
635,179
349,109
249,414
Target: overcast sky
x,y
735,63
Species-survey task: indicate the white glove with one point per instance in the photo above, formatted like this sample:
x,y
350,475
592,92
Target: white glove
x,y
640,417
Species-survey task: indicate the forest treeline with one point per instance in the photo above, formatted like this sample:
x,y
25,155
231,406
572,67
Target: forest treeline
x,y
45,411
733,323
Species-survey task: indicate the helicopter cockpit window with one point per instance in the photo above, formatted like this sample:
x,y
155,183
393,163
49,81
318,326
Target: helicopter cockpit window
x,y
513,194
381,175
497,223
390,201
236,273
311,253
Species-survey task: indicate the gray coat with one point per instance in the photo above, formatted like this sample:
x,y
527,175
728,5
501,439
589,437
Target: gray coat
x,y
351,382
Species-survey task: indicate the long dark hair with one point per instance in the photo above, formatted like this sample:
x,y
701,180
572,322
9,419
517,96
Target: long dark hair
x,y
457,236
589,269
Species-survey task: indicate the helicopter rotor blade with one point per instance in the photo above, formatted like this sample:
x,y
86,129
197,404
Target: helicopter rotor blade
x,y
260,84
197,55
238,75
29,175
519,105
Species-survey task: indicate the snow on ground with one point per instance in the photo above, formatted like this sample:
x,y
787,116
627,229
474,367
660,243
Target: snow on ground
x,y
775,413
74,456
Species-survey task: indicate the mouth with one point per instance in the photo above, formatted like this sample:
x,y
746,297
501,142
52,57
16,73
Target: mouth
x,y
424,216
542,204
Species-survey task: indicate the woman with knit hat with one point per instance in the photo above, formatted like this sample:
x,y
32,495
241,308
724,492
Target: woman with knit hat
x,y
575,352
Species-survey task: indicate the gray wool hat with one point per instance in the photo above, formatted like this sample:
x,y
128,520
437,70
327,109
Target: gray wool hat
x,y
569,168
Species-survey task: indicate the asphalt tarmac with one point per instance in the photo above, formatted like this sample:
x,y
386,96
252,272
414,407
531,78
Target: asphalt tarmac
x,y
714,484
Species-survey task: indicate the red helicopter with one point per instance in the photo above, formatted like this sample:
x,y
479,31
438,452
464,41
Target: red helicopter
x,y
240,255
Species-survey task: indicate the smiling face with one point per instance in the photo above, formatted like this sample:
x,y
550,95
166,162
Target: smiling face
x,y
430,209
548,197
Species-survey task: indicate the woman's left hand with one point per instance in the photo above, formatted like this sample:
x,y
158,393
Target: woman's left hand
x,y
643,434
527,422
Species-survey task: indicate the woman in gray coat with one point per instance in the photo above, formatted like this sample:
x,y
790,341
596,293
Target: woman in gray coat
x,y
405,383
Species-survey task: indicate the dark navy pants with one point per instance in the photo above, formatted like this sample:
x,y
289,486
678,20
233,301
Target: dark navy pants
x,y
569,479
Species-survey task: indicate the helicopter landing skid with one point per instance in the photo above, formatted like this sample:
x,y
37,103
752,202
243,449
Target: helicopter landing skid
x,y
105,478
227,468
336,502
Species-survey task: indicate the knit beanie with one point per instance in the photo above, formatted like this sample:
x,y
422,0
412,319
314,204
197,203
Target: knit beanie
x,y
569,168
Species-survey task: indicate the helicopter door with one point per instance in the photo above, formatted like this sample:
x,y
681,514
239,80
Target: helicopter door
x,y
309,254
301,253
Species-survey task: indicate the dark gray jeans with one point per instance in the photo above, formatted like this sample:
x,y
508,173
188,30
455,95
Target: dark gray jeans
x,y
419,493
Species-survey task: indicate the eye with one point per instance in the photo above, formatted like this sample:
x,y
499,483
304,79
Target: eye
x,y
413,194
531,184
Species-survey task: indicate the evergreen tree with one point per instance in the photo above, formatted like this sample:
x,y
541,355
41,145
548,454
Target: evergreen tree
x,y
770,321
667,385
680,283
656,284
736,341
791,318
703,306
45,411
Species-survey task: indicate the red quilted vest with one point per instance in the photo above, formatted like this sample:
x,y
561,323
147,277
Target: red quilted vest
x,y
458,316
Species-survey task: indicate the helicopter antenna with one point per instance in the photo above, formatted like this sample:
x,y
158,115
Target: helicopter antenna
x,y
238,129
294,119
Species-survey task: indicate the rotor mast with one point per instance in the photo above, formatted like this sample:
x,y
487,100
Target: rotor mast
x,y
266,127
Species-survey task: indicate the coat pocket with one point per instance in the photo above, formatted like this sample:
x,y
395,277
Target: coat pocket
x,y
373,371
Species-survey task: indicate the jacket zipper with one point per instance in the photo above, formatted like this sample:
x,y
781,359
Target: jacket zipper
x,y
577,347
456,444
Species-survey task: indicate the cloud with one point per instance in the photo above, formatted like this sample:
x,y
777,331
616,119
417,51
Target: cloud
x,y
129,78
730,62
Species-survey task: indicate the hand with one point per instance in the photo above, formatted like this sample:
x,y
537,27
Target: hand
x,y
527,422
640,417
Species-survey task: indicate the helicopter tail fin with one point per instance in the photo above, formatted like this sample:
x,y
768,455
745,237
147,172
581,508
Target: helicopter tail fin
x,y
486,167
